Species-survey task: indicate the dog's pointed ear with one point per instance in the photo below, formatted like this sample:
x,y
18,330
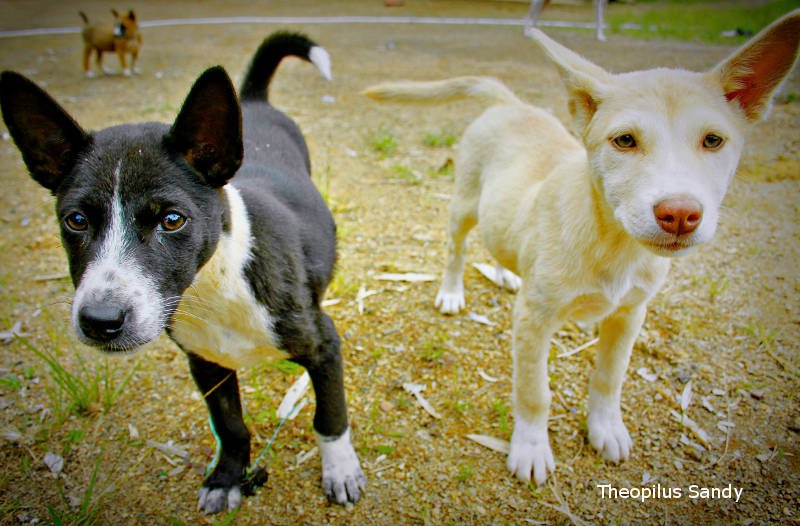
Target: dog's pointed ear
x,y
48,138
752,74
207,133
584,80
131,15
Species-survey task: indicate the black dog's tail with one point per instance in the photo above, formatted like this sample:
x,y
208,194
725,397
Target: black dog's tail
x,y
274,48
85,18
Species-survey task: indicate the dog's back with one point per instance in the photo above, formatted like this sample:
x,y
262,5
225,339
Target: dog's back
x,y
275,190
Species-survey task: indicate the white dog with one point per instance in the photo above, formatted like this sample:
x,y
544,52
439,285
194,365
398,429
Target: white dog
x,y
589,225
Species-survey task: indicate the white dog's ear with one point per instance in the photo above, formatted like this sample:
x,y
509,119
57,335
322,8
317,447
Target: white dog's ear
x,y
751,75
585,81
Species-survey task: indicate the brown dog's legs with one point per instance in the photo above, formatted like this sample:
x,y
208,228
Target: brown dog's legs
x,y
87,54
123,61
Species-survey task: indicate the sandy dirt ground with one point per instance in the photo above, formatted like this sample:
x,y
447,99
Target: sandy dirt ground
x,y
728,320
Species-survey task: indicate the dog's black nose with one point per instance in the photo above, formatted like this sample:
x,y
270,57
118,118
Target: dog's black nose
x,y
102,323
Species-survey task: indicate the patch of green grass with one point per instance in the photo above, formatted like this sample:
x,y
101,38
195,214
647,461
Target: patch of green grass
x,y
384,449
72,439
463,406
288,367
10,382
405,174
696,21
324,185
503,412
85,391
341,286
87,510
765,336
465,472
383,142
716,287
439,140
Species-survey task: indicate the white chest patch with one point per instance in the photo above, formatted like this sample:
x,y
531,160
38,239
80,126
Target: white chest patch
x,y
218,317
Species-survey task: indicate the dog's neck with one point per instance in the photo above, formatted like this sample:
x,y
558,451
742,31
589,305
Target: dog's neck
x,y
608,231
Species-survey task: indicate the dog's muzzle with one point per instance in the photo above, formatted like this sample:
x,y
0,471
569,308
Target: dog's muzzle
x,y
102,323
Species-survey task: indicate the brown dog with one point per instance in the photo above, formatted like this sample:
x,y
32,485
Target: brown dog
x,y
122,37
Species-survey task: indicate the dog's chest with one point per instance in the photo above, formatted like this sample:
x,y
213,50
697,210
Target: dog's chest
x,y
613,290
219,318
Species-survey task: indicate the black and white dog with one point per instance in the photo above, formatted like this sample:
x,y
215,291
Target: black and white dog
x,y
211,228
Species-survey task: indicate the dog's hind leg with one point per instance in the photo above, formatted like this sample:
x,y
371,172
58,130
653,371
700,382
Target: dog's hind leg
x,y
530,452
222,490
463,217
87,58
506,279
607,432
342,476
99,62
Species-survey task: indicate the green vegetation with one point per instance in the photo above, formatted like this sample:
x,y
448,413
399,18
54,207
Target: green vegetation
x,y
696,21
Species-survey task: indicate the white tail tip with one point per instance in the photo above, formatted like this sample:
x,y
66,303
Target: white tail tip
x,y
320,57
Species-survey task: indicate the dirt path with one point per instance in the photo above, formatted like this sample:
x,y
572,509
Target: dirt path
x,y
728,319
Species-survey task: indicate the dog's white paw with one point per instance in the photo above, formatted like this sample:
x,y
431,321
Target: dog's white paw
x,y
90,74
609,435
450,302
343,479
219,499
530,453
507,279
126,72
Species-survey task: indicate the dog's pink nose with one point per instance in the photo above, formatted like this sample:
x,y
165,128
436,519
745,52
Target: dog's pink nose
x,y
678,215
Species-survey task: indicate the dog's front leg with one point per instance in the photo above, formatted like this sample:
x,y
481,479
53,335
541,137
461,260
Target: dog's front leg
x,y
530,446
607,432
342,476
219,386
123,61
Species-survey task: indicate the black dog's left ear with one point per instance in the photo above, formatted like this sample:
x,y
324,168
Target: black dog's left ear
x,y
49,139
208,130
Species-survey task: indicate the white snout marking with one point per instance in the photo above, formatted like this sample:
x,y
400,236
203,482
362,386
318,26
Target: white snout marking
x,y
320,57
113,276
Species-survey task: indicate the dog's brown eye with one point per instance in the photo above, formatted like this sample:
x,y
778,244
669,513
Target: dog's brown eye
x,y
624,141
172,222
712,142
77,222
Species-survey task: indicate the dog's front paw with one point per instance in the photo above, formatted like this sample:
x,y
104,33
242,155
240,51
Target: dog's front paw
x,y
215,500
450,302
609,435
530,453
343,479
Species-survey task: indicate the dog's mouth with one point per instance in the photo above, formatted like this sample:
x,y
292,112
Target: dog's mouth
x,y
122,344
670,248
114,330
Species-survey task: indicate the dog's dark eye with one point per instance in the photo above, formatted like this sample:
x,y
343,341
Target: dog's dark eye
x,y
172,222
712,142
76,222
625,141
